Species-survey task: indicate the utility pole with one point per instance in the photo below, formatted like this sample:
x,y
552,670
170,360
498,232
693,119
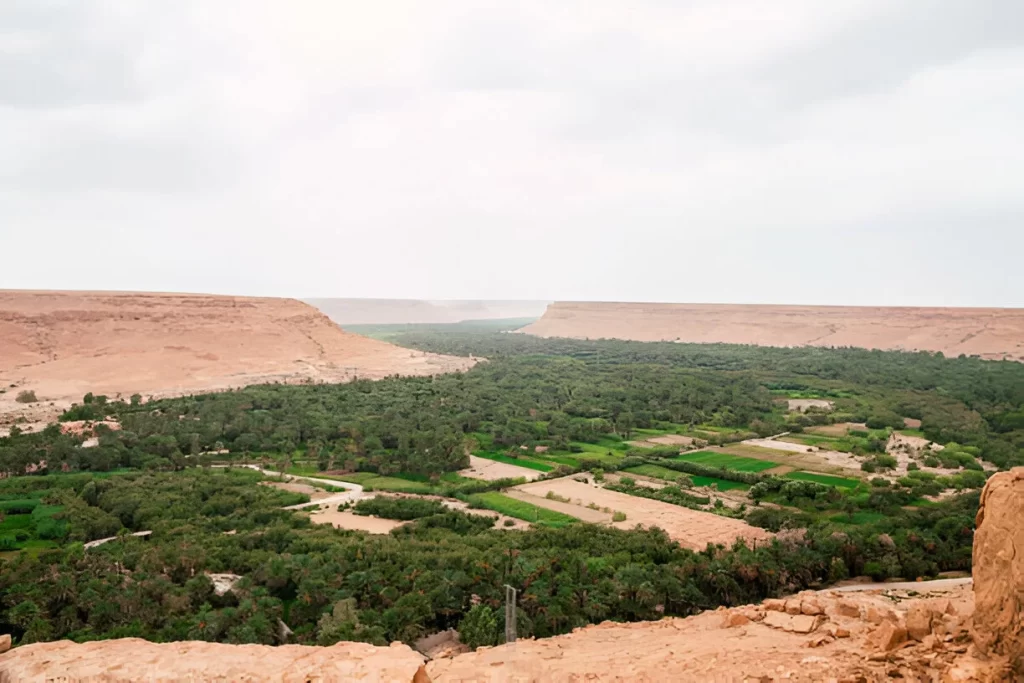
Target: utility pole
x,y
510,614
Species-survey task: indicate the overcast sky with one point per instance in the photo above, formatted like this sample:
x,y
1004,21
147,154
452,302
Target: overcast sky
x,y
794,151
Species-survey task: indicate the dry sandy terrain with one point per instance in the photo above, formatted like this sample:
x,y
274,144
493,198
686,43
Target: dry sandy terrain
x,y
134,659
482,468
837,429
692,528
802,404
313,492
63,345
667,440
992,333
407,311
753,643
349,520
780,445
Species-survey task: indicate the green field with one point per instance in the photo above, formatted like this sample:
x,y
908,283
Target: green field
x,y
520,461
727,462
824,479
721,484
599,452
371,481
521,510
656,471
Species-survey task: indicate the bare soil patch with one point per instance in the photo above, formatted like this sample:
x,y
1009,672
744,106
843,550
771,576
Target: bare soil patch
x,y
837,429
489,470
344,519
780,445
313,492
691,528
801,405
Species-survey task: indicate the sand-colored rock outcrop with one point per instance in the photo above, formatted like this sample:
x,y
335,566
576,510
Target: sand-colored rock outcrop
x,y
63,345
133,659
999,568
874,635
992,333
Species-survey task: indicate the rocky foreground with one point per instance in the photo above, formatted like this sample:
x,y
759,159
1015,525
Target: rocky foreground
x,y
961,633
992,333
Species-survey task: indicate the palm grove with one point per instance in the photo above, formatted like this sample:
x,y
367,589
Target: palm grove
x,y
447,569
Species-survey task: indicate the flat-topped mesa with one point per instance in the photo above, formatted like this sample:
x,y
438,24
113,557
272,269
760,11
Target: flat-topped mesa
x,y
62,345
991,333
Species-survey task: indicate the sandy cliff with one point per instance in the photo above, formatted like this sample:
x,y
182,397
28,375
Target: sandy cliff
x,y
992,333
65,344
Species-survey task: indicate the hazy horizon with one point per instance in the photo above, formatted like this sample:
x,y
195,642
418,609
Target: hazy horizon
x,y
857,152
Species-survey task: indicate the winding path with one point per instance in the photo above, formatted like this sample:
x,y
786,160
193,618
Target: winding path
x,y
353,492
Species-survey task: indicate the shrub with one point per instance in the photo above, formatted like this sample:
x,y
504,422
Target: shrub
x,y
26,396
912,466
886,461
509,522
479,627
618,516
399,508
931,461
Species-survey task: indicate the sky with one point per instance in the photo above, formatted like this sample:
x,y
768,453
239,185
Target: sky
x,y
862,152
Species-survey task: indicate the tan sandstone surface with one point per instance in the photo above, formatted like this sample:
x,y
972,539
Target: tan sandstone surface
x,y
134,659
998,568
63,345
992,333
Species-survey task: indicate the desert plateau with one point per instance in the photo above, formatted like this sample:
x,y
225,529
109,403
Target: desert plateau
x,y
63,345
990,333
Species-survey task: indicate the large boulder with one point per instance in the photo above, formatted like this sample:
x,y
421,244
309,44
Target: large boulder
x,y
999,568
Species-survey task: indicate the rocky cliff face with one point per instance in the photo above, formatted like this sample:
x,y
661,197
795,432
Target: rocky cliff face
x,y
63,345
991,333
999,568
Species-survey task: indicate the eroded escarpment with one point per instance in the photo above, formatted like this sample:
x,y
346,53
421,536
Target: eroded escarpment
x,y
991,333
62,345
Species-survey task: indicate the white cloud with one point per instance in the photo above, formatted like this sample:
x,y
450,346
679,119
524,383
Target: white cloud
x,y
855,151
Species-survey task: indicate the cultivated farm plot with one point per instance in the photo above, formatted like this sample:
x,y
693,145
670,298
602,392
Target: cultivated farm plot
x,y
727,461
691,528
343,519
780,445
665,474
826,479
489,470
837,429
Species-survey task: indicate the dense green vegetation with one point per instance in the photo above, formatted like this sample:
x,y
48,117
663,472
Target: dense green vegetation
x,y
581,403
520,509
728,462
329,585
404,509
